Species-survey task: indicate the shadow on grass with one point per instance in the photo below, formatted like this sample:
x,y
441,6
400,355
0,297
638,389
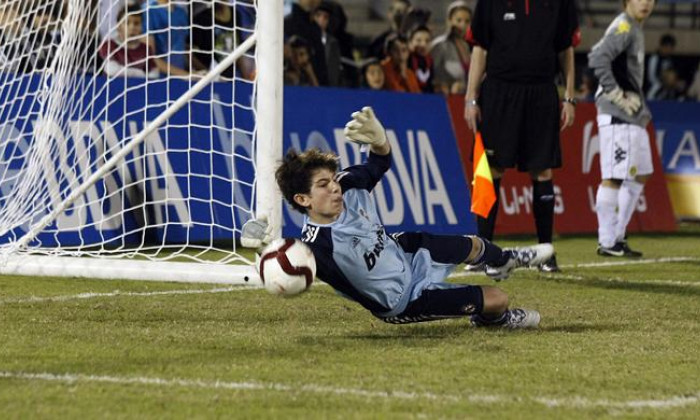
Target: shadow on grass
x,y
627,285
581,328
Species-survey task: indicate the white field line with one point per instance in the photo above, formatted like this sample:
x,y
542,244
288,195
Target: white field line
x,y
576,402
461,273
63,298
621,280
632,262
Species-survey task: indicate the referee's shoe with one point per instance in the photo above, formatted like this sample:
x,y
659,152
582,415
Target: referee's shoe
x,y
550,266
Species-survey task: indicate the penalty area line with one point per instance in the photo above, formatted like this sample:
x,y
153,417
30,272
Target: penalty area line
x,y
575,402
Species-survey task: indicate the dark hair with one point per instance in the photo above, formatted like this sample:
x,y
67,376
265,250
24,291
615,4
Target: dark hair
x,y
133,9
391,40
414,17
421,28
325,7
294,175
365,67
668,40
456,6
295,41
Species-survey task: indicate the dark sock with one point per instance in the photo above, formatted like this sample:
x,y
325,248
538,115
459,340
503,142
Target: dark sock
x,y
486,226
493,255
489,319
543,209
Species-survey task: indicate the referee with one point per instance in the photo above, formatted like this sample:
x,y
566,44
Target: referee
x,y
518,48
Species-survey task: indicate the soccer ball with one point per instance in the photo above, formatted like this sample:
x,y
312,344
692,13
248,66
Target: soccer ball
x,y
287,267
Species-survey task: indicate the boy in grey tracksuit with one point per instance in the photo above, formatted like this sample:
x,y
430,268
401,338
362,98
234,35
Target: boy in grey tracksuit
x,y
625,152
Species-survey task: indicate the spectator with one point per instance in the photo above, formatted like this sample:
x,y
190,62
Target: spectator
x,y
399,77
420,60
450,51
373,73
216,32
414,18
300,23
126,54
337,26
331,50
659,62
16,55
298,70
694,89
520,52
672,87
45,35
587,88
167,25
397,10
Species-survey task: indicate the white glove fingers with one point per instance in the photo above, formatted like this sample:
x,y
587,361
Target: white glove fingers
x,y
361,117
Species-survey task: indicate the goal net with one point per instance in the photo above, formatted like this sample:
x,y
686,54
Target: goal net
x,y
136,137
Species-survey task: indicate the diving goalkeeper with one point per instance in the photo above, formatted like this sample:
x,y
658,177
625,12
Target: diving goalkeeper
x,y
400,277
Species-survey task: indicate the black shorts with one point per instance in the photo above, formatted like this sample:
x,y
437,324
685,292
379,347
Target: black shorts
x,y
520,125
433,304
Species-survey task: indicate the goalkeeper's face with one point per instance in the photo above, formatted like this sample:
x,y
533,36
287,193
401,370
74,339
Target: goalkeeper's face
x,y
324,202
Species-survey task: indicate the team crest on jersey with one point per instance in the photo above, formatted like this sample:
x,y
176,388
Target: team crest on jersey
x,y
509,16
623,27
310,233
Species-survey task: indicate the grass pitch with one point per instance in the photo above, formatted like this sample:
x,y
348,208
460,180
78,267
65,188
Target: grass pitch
x,y
618,338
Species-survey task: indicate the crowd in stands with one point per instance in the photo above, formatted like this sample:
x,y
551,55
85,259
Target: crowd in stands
x,y
152,38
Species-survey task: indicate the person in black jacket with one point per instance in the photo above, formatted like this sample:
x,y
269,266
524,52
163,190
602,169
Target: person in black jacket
x,y
300,23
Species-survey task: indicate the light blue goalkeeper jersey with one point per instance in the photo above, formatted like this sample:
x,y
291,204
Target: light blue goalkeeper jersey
x,y
355,255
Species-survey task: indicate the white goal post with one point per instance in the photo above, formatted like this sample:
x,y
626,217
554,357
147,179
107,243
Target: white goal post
x,y
122,158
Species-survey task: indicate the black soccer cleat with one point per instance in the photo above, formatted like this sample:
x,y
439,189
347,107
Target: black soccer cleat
x,y
629,252
550,266
620,249
613,251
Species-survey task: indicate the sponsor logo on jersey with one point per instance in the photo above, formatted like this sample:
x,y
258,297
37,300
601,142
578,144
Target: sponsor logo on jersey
x,y
371,256
509,16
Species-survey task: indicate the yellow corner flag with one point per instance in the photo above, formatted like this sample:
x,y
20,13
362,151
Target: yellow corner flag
x,y
483,194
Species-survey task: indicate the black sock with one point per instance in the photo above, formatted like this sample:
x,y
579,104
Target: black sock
x,y
487,225
543,209
484,320
492,254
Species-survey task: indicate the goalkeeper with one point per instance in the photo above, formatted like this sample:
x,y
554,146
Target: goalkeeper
x,y
400,278
625,152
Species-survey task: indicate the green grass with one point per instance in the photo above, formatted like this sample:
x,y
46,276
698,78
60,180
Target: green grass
x,y
615,341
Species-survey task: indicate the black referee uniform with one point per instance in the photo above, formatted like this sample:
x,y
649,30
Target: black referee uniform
x,y
518,98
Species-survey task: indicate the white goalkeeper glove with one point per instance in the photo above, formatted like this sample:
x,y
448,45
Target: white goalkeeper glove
x,y
256,233
365,128
629,102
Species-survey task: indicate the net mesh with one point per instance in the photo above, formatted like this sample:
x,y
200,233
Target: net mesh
x,y
79,79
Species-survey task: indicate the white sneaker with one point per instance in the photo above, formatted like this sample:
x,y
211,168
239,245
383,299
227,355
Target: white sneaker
x,y
522,318
530,256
